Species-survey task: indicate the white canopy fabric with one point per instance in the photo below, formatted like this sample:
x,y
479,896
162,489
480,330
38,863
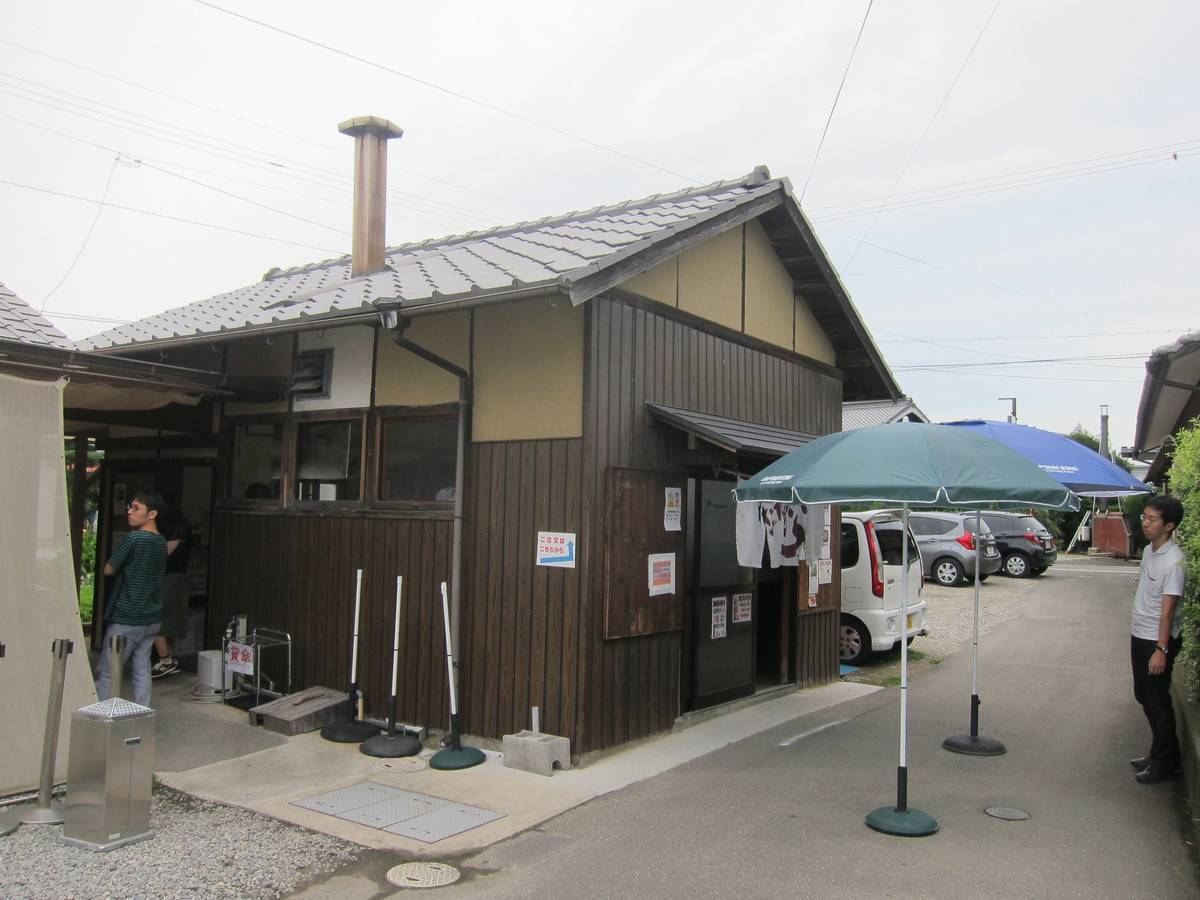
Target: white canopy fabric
x,y
38,602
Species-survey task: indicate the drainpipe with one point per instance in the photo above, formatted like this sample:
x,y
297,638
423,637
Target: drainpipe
x,y
396,324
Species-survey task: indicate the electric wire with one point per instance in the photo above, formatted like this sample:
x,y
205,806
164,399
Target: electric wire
x,y
456,94
87,237
833,106
924,134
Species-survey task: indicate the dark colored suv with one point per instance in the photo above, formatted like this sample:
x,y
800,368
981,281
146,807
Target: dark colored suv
x,y
1026,544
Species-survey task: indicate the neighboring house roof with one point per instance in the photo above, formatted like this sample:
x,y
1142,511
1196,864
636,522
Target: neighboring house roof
x,y
865,413
1170,398
579,255
19,322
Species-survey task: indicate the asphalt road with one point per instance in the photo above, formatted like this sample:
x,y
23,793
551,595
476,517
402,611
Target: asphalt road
x,y
781,814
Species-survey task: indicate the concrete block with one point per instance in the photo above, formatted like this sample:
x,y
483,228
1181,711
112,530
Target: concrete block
x,y
537,753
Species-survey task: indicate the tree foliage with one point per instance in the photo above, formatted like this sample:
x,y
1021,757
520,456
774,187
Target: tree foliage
x,y
1185,483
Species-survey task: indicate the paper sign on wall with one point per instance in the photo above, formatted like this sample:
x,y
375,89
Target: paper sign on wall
x,y
660,573
719,626
742,605
556,549
673,509
824,571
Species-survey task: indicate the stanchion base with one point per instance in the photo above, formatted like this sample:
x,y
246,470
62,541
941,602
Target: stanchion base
x,y
457,759
974,745
906,823
353,732
390,746
44,815
9,822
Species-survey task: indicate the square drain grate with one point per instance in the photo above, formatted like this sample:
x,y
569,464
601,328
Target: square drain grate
x,y
404,813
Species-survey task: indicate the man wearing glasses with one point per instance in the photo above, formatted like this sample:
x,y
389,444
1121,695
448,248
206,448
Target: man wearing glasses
x,y
1157,636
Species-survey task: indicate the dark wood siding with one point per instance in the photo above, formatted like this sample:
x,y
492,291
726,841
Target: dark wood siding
x,y
296,573
521,622
638,351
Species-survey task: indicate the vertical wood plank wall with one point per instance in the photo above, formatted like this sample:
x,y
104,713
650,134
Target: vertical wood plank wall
x,y
639,353
297,574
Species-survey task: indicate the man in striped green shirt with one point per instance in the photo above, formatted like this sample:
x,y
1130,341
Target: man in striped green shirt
x,y
134,606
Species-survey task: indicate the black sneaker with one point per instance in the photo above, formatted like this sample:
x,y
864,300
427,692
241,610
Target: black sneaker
x,y
164,667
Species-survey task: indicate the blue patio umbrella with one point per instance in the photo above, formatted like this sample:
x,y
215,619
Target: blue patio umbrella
x,y
1080,468
906,463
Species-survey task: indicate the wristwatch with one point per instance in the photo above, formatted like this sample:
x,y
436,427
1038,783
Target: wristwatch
x,y
1163,650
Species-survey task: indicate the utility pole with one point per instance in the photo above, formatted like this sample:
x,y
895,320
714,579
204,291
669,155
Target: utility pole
x,y
1012,417
1104,445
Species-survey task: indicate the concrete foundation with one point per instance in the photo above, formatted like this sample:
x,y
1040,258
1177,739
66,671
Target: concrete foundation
x,y
537,753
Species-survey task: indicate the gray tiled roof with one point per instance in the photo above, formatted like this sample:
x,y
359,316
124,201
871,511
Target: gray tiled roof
x,y
562,252
19,322
865,413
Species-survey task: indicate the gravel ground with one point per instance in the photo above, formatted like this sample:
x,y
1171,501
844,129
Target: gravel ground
x,y
198,850
951,616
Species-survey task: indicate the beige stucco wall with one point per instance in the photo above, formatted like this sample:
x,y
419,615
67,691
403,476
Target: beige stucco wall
x,y
404,379
528,370
708,282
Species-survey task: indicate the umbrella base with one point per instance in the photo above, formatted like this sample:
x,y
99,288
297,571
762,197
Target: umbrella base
x,y
353,732
43,815
903,823
390,746
457,759
974,745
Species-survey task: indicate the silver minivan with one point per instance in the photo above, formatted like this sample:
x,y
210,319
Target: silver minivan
x,y
947,541
872,562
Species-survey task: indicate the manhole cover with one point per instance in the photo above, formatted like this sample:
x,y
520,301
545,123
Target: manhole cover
x,y
1006,812
422,875
401,764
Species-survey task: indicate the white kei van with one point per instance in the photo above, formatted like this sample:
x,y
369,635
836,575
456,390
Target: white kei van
x,y
871,586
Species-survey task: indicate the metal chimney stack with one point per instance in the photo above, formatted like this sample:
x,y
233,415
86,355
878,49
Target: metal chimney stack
x,y
371,135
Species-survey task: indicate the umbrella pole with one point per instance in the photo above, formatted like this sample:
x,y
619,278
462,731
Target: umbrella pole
x,y
455,756
353,730
900,819
392,745
972,744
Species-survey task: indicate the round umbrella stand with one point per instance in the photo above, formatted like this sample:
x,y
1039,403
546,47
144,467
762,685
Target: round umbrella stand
x,y
974,745
457,758
354,731
904,823
391,745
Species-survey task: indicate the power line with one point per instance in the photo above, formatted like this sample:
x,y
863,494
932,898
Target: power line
x,y
146,212
837,96
448,91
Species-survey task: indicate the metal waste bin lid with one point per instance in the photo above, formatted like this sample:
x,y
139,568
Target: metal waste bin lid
x,y
114,708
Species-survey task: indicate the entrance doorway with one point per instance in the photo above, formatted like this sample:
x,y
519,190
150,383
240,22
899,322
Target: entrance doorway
x,y
736,634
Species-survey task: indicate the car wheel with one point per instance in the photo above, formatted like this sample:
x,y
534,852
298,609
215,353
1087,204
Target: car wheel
x,y
1017,565
985,577
855,642
1038,570
947,572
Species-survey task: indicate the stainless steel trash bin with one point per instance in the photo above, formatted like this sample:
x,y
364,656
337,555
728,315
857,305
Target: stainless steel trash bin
x,y
110,773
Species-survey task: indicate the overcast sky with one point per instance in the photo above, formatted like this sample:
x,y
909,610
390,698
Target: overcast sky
x,y
1008,189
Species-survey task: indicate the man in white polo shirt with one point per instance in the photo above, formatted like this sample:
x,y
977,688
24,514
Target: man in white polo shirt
x,y
1157,636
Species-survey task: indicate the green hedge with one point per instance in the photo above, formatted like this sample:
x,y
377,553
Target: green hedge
x,y
1185,483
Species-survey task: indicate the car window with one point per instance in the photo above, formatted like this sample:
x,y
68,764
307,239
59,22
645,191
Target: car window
x,y
849,545
931,526
999,524
891,547
1029,523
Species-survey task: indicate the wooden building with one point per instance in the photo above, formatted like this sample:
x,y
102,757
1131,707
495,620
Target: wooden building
x,y
527,414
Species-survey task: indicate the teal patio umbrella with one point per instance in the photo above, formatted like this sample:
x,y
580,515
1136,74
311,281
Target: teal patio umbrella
x,y
909,464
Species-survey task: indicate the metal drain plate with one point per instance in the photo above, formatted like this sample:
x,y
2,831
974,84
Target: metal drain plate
x,y
422,875
402,764
1007,812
